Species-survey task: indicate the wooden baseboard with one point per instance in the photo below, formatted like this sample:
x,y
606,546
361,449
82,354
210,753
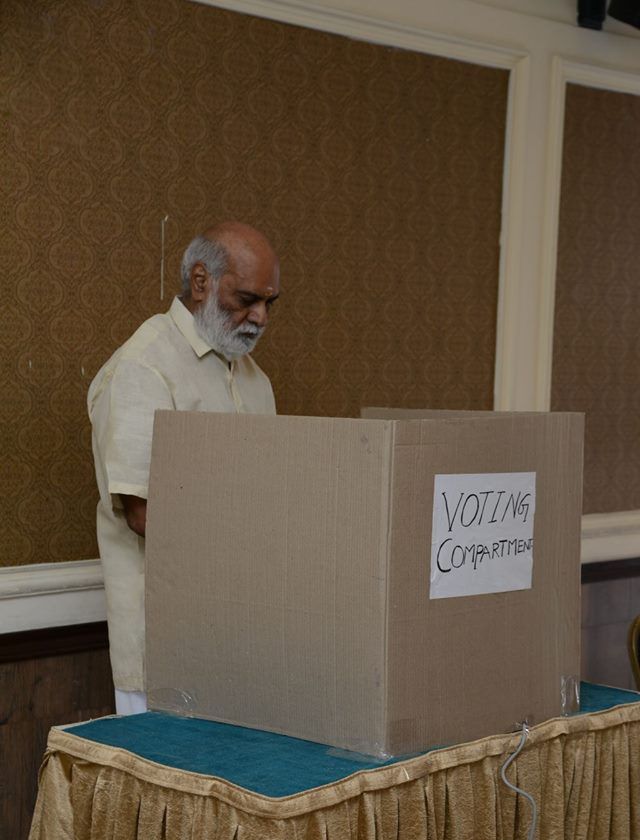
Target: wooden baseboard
x,y
611,570
53,641
45,595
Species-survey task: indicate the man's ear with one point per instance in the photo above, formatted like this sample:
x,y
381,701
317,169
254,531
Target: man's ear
x,y
199,279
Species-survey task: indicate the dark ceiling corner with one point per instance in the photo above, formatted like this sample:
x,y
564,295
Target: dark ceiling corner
x,y
628,11
591,13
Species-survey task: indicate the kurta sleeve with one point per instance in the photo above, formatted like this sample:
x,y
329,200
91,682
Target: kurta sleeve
x,y
136,391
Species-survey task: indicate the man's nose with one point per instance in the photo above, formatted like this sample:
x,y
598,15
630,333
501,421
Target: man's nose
x,y
258,314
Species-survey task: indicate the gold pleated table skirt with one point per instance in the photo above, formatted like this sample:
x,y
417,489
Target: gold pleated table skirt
x,y
583,771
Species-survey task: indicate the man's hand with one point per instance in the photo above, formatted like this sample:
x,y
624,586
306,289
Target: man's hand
x,y
135,510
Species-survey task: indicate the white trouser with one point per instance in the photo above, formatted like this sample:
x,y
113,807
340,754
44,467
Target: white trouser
x,y
130,702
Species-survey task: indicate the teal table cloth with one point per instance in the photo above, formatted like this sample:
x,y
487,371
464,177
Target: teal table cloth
x,y
263,762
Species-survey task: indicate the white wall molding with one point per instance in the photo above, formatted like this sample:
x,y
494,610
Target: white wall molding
x,y
51,595
559,11
610,536
549,255
340,21
601,76
513,291
563,72
60,594
511,235
543,48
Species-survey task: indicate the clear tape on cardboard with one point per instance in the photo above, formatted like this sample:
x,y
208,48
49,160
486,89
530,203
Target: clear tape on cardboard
x,y
371,753
174,700
377,756
569,694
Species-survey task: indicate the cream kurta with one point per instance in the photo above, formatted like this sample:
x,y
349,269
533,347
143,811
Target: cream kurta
x,y
164,365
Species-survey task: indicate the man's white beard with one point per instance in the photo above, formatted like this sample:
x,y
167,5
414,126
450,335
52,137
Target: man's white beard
x,y
213,325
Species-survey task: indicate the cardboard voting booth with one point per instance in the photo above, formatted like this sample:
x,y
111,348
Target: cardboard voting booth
x,y
380,584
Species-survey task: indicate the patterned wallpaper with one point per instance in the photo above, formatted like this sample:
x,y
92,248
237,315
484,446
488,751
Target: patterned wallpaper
x,y
376,172
596,361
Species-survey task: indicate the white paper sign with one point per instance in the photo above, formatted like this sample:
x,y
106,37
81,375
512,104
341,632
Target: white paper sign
x,y
482,536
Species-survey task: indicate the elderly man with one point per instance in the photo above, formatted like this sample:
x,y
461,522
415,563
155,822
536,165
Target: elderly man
x,y
193,358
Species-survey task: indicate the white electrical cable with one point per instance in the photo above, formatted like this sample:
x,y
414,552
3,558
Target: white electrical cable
x,y
527,796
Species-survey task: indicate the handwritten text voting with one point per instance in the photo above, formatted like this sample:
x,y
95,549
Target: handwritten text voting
x,y
482,536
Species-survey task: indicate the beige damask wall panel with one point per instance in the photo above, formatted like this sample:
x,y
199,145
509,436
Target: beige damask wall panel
x,y
376,172
596,354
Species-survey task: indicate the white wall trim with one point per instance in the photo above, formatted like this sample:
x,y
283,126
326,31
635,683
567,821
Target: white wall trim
x,y
373,29
605,78
610,536
511,235
60,594
551,215
517,61
51,595
563,72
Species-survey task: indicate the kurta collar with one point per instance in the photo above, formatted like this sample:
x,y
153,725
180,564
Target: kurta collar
x,y
183,320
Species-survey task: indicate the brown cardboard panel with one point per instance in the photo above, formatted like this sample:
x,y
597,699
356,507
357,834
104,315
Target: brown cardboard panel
x,y
266,555
504,650
381,413
288,567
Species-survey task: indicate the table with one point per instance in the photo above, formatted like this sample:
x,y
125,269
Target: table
x,y
160,776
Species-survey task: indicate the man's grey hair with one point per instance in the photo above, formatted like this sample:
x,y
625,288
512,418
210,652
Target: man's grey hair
x,y
211,254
